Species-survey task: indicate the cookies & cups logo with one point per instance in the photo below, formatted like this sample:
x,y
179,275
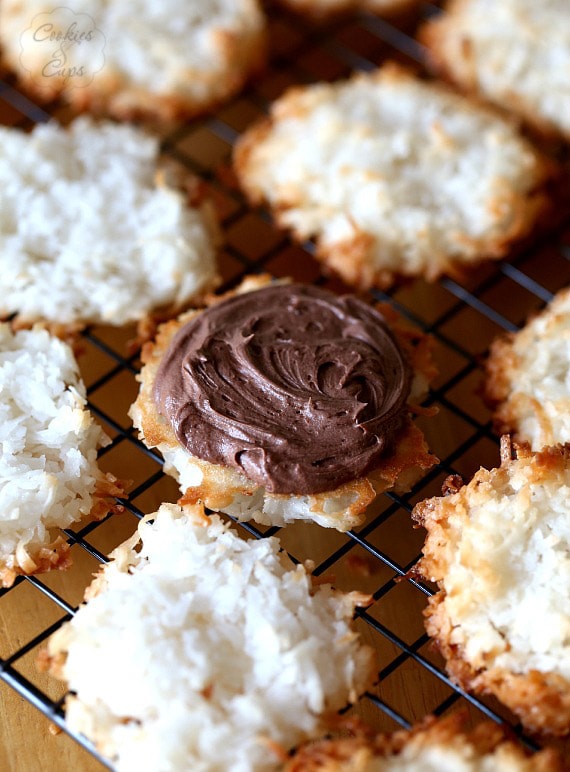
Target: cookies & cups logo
x,y
62,46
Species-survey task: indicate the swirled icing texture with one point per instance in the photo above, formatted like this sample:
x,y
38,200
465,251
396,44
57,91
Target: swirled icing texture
x,y
299,388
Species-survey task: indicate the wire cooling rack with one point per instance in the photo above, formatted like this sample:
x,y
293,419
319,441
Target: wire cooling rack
x,y
463,317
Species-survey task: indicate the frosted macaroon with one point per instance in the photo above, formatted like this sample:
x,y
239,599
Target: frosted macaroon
x,y
205,651
392,176
515,53
91,232
228,488
157,58
49,477
499,549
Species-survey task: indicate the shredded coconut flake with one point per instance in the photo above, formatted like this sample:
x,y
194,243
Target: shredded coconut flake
x,y
48,443
85,232
162,58
531,376
516,53
504,563
203,649
391,174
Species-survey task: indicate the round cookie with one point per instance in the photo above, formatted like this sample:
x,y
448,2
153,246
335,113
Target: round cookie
x,y
91,231
300,412
392,176
515,53
49,477
527,377
163,60
499,550
432,745
197,649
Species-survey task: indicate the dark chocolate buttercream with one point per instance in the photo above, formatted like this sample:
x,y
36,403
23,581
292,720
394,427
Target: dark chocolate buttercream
x,y
299,388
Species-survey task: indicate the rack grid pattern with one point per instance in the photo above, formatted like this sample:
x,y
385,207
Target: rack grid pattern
x,y
463,317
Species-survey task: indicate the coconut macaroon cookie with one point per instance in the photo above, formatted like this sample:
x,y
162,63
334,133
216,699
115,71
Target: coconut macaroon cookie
x,y
320,9
90,231
528,381
197,649
499,550
432,745
392,176
49,477
284,401
515,53
152,58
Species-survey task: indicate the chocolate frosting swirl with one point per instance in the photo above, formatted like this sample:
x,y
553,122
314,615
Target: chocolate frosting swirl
x,y
299,388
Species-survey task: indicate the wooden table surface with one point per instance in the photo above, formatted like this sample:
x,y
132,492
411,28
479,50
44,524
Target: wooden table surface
x,y
464,318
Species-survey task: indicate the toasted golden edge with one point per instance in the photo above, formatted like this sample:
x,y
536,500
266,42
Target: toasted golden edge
x,y
499,391
354,745
435,35
56,555
409,458
540,700
499,366
110,95
351,259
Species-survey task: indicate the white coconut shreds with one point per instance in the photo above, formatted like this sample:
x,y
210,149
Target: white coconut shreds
x,y
500,549
205,651
515,53
529,377
86,235
391,175
48,446
159,58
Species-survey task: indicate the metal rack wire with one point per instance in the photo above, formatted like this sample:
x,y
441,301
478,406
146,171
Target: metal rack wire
x,y
463,317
